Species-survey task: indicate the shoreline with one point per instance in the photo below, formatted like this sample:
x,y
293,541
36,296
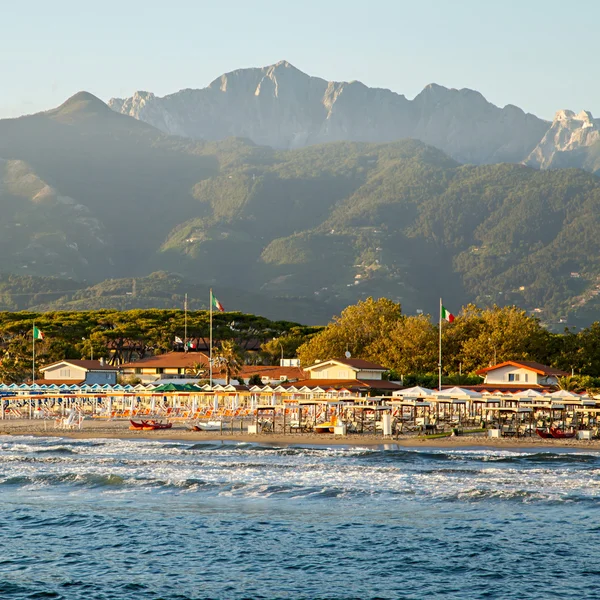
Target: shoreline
x,y
120,430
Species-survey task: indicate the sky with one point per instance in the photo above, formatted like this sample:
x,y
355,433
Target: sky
x,y
537,54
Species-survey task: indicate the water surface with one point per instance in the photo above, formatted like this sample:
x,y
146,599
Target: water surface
x,y
111,519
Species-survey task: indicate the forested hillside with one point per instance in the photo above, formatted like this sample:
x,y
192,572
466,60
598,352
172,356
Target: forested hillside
x,y
88,196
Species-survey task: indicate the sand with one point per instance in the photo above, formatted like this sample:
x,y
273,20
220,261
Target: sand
x,y
119,429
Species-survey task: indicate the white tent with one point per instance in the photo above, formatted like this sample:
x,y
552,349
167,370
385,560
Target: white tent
x,y
414,392
457,392
565,394
529,394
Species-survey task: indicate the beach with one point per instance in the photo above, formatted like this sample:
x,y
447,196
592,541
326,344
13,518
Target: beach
x,y
119,429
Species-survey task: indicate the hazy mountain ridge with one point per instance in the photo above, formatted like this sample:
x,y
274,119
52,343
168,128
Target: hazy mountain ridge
x,y
282,107
313,229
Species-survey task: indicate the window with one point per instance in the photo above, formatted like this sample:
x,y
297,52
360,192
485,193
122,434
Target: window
x,y
513,377
138,371
65,373
159,371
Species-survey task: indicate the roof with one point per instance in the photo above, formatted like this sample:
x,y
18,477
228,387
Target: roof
x,y
174,360
59,382
88,365
358,364
529,365
273,372
349,384
504,387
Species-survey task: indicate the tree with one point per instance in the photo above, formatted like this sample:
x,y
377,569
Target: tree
x,y
196,370
482,337
227,359
411,346
282,347
358,329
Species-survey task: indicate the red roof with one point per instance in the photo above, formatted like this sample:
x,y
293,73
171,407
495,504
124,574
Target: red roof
x,y
530,365
354,363
170,360
88,365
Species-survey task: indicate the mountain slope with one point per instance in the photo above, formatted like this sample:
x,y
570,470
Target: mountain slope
x,y
112,170
282,107
93,195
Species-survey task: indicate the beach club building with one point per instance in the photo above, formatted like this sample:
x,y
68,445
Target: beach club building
x,y
172,365
79,372
187,365
355,375
522,374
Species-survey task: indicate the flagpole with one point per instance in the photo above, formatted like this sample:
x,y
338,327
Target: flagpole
x,y
210,342
440,352
185,324
33,356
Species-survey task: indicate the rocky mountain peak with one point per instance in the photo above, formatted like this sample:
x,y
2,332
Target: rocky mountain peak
x,y
569,135
280,106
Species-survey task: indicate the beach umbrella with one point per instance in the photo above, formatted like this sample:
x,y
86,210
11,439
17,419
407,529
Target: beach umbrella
x,y
564,394
414,392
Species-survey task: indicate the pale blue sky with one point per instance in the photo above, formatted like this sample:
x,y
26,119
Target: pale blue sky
x,y
538,54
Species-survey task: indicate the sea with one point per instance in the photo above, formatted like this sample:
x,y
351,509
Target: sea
x,y
111,519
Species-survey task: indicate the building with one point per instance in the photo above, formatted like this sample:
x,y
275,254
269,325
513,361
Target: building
x,y
354,375
270,375
172,365
346,368
79,372
521,373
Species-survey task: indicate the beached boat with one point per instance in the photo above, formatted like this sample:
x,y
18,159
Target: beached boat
x,y
561,434
149,425
207,426
544,433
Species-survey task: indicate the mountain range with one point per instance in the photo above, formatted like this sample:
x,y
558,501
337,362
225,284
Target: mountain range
x,y
282,107
93,200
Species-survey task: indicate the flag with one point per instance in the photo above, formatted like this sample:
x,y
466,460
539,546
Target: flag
x,y
178,340
191,345
447,315
37,333
216,303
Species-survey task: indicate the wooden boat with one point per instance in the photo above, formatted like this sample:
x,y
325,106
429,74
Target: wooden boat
x,y
149,425
561,434
544,433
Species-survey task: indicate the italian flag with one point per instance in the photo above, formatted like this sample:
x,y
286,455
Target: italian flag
x,y
216,303
37,333
447,315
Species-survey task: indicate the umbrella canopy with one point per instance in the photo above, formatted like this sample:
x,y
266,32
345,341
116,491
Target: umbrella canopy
x,y
529,394
564,394
170,387
456,392
414,392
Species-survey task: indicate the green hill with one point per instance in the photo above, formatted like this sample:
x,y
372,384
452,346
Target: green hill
x,y
90,195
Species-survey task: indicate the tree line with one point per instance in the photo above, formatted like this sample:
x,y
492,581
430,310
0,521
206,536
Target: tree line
x,y
373,329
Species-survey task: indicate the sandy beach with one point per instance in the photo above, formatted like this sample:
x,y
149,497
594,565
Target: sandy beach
x,y
119,429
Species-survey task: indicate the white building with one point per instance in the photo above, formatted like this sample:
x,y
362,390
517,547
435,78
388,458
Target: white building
x,y
346,369
521,372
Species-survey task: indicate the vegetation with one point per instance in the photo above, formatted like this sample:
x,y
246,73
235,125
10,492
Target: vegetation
x,y
376,330
91,196
124,336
